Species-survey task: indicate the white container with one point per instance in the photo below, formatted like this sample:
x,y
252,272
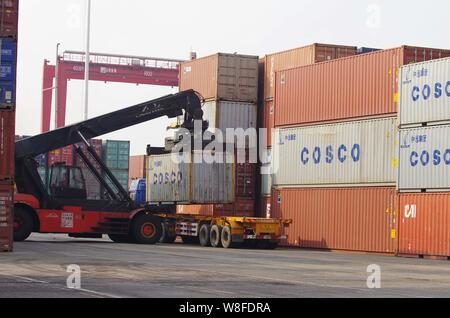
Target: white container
x,y
424,93
424,159
190,183
345,154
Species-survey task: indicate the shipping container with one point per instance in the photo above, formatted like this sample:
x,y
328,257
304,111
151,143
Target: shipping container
x,y
116,154
358,86
424,92
6,216
7,142
137,168
424,225
261,74
175,178
121,176
242,207
231,77
358,153
424,159
268,122
266,207
9,16
8,71
302,56
365,50
353,219
7,94
8,50
61,156
245,179
97,145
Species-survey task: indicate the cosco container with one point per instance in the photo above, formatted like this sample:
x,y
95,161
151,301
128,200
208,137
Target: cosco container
x,y
424,92
6,216
116,154
231,77
424,225
302,56
7,140
344,154
424,159
358,86
354,219
176,178
9,15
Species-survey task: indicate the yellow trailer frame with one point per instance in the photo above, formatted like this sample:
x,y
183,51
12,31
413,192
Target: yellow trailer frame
x,y
224,231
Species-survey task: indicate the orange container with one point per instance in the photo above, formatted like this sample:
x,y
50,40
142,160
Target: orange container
x,y
354,219
358,86
137,168
424,224
242,207
302,56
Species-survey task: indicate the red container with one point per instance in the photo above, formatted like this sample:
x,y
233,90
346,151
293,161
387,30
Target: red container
x,y
246,180
302,56
242,207
6,217
64,156
358,86
354,219
9,16
7,141
137,168
424,224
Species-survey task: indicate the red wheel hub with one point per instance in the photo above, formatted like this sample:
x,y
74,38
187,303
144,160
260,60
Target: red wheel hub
x,y
148,229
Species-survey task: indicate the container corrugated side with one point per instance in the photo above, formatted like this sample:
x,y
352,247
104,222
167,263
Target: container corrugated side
x,y
302,56
174,180
6,216
354,219
424,224
116,154
350,153
9,16
424,92
7,141
223,114
424,158
240,208
358,86
231,77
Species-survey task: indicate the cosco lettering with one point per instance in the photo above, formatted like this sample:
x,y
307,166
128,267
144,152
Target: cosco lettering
x,y
343,154
436,91
425,158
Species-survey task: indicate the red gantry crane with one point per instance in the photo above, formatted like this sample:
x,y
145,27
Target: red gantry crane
x,y
105,68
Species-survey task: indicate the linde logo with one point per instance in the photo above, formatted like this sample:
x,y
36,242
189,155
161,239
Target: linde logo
x,y
410,211
167,178
343,154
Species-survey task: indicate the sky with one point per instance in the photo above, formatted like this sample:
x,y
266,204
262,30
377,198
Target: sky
x,y
172,28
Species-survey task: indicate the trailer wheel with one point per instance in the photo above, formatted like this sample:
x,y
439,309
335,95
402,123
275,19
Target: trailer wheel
x,y
120,238
204,235
226,239
166,236
215,234
146,229
23,224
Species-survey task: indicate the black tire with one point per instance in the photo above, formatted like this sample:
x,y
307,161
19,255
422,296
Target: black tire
x,y
226,238
167,237
120,238
215,236
191,240
23,224
204,235
146,229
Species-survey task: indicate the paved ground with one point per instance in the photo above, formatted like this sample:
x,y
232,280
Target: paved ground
x,y
38,267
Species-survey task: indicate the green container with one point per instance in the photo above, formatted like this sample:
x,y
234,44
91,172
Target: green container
x,y
116,154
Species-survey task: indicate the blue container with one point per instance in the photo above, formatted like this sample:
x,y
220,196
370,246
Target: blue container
x,y
137,190
7,93
364,50
7,71
8,50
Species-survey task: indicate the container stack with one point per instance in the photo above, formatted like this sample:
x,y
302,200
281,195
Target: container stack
x,y
93,187
424,177
116,155
271,64
228,83
8,63
335,157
